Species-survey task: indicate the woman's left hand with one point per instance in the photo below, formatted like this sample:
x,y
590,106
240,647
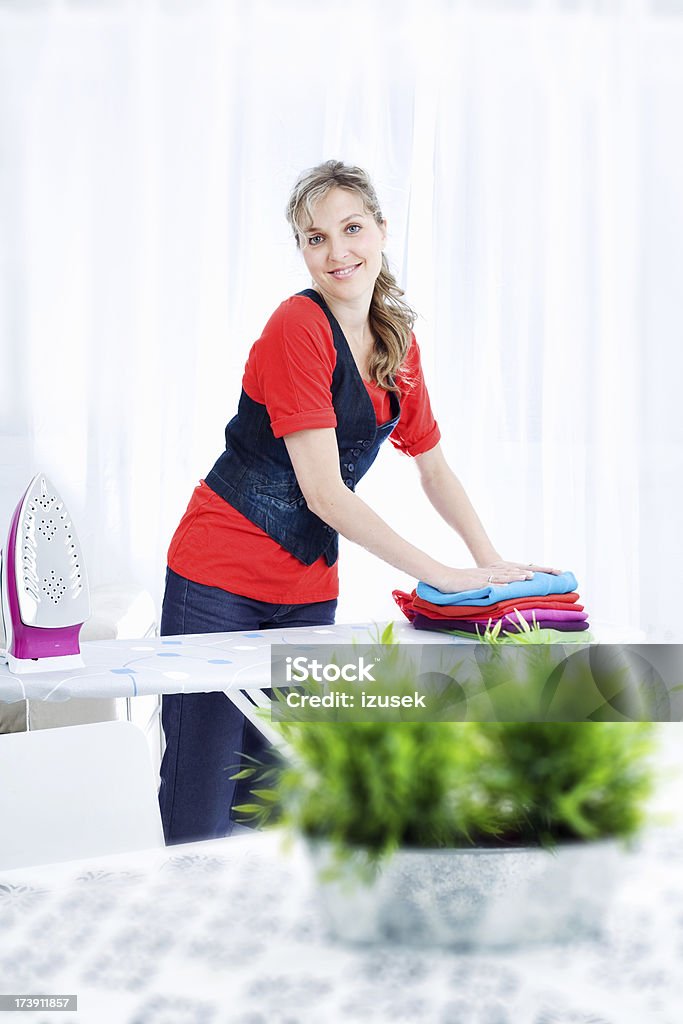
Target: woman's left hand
x,y
529,567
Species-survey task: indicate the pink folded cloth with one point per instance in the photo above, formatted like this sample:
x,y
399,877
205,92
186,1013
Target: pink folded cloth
x,y
531,615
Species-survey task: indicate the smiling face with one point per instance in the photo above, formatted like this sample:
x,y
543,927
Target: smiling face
x,y
343,246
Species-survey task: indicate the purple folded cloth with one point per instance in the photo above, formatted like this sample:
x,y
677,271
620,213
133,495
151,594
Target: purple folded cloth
x,y
466,626
548,615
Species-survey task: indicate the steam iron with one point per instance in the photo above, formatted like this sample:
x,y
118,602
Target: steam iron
x,y
45,596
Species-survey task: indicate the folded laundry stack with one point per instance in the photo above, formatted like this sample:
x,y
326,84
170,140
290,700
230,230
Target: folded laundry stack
x,y
547,604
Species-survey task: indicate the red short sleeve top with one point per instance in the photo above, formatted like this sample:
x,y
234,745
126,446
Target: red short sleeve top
x,y
289,370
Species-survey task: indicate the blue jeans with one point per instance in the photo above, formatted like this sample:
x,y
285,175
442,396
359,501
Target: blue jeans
x,y
205,733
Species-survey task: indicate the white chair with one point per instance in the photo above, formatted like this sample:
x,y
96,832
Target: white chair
x,y
75,792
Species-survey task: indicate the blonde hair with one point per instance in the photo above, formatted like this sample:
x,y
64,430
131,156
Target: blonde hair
x,y
391,319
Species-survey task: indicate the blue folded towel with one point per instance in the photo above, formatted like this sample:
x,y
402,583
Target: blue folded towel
x,y
540,585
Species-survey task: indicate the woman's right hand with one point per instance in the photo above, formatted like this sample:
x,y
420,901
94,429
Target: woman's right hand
x,y
454,580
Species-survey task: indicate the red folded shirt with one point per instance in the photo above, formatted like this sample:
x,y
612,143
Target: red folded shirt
x,y
558,602
405,603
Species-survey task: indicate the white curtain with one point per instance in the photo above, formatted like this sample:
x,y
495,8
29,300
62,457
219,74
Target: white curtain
x,y
529,159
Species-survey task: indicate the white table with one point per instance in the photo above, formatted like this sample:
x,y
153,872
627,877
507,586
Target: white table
x,y
228,932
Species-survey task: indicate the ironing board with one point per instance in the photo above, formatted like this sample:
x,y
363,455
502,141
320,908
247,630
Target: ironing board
x,y
237,663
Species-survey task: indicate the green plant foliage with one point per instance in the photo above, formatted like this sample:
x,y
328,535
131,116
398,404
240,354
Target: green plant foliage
x,y
454,784
381,785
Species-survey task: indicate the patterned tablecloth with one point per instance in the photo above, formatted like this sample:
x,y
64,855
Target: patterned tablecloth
x,y
188,664
229,932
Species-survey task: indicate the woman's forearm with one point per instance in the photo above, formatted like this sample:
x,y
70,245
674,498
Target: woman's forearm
x,y
349,515
315,459
448,496
450,500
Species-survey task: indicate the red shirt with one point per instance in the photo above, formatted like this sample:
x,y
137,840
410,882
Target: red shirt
x,y
289,370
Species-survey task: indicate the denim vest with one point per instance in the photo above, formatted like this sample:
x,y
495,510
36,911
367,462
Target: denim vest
x,y
255,475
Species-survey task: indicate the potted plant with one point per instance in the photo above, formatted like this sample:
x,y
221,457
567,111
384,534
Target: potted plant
x,y
462,833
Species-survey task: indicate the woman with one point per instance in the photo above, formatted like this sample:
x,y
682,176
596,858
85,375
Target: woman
x,y
335,372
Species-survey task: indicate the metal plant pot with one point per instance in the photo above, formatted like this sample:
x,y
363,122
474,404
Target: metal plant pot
x,y
479,898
